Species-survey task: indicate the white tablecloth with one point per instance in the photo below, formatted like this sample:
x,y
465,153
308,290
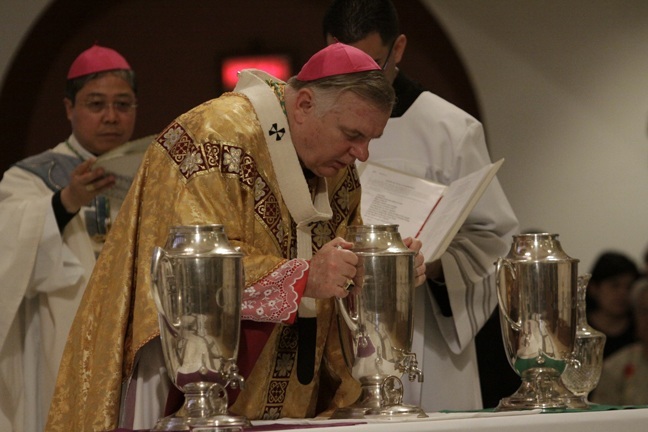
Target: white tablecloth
x,y
627,420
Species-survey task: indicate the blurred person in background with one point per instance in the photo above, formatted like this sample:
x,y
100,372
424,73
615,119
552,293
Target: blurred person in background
x,y
624,380
608,299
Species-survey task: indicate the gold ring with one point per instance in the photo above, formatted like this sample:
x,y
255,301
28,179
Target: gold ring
x,y
90,187
349,284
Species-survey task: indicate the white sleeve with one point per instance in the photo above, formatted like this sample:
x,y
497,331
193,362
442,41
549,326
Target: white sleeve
x,y
56,266
34,256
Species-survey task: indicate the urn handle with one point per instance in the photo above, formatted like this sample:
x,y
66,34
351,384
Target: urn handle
x,y
159,264
351,320
504,265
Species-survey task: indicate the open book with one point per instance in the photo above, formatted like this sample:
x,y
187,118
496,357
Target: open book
x,y
429,211
123,162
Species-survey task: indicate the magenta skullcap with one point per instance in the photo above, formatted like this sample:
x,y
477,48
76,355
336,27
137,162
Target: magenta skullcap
x,y
336,59
97,59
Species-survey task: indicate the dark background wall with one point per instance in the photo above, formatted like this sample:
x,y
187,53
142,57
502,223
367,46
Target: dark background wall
x,y
176,47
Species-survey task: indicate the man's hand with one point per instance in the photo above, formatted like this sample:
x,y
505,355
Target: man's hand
x,y
419,261
330,270
85,184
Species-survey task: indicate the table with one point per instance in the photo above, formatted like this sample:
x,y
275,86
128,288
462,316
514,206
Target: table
x,y
616,420
620,420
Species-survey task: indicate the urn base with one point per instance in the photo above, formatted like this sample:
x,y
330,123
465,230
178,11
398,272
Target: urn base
x,y
205,410
218,423
380,399
541,389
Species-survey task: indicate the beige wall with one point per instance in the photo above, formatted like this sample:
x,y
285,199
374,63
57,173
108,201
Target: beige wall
x,y
563,88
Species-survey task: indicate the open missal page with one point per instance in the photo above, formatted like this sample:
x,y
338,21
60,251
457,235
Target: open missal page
x,y
123,162
424,209
393,197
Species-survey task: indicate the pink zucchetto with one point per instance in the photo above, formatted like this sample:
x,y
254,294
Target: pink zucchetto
x,y
336,59
97,59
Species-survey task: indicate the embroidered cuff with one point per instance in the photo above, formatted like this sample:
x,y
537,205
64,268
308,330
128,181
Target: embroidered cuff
x,y
276,296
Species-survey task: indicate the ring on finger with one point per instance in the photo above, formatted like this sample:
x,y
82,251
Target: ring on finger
x,y
90,187
348,284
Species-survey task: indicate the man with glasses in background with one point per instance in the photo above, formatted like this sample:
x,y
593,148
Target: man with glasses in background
x,y
428,137
53,217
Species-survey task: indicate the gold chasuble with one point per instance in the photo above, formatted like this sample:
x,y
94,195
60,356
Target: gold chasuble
x,y
213,165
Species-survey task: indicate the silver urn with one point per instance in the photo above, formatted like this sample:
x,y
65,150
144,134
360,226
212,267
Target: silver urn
x,y
377,325
197,281
537,285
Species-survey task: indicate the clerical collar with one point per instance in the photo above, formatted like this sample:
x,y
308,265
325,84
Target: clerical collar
x,y
73,145
307,173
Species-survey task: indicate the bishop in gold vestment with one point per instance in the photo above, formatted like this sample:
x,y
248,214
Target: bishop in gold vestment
x,y
229,161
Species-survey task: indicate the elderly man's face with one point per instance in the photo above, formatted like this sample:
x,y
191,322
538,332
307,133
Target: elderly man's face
x,y
103,114
328,142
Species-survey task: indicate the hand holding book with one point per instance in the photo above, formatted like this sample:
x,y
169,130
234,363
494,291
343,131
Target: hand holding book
x,y
123,162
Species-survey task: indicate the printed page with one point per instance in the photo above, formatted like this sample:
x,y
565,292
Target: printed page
x,y
393,197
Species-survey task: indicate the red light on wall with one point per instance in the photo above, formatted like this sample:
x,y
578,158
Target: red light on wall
x,y
276,65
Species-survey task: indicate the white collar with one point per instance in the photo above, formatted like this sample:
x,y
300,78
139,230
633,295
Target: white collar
x,y
78,149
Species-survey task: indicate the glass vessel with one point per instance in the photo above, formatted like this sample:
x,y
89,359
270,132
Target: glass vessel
x,y
582,375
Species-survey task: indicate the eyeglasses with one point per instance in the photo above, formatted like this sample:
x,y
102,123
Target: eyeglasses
x,y
384,66
97,106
